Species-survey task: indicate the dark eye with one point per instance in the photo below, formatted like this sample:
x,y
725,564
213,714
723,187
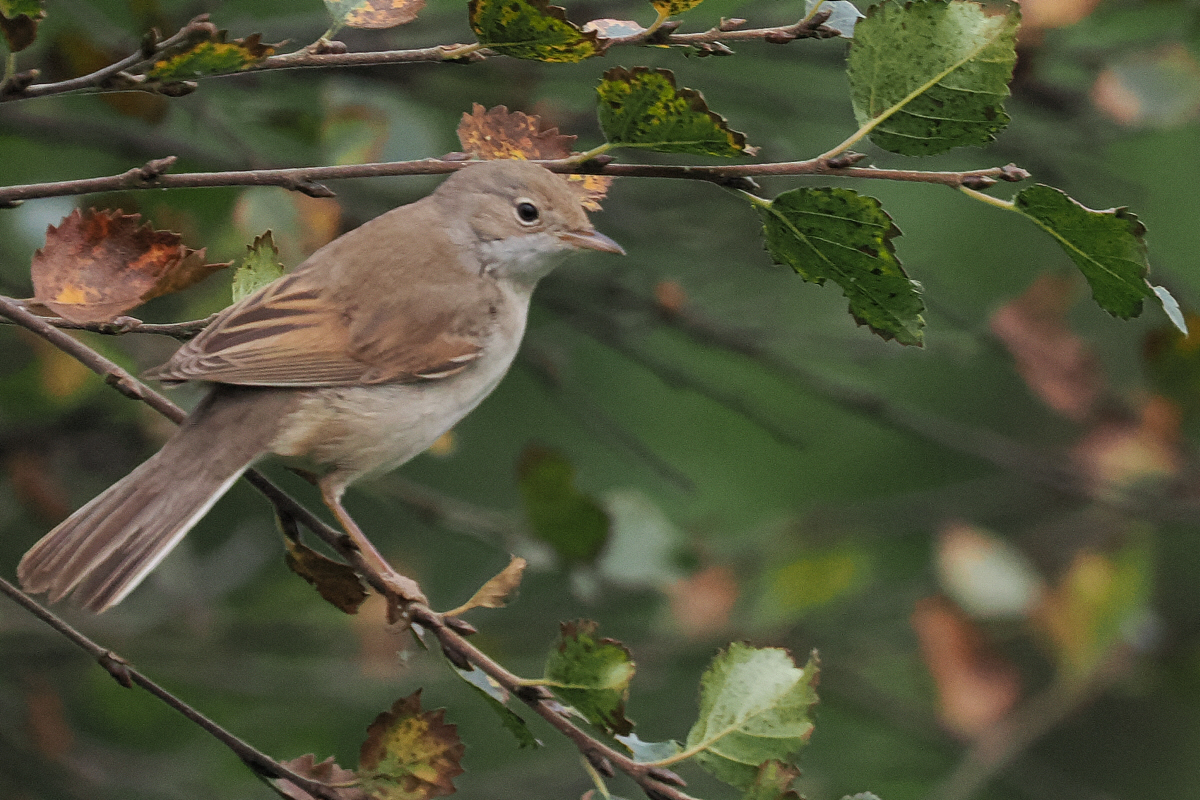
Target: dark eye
x,y
527,212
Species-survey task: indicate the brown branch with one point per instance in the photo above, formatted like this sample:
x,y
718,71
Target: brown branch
x,y
122,325
124,674
308,179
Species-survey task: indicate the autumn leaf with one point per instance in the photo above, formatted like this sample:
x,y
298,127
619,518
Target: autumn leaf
x,y
499,133
496,592
19,22
374,14
410,754
334,581
97,265
531,29
339,780
213,56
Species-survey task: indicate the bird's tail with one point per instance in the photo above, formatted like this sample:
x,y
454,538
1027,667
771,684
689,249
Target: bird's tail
x,y
103,550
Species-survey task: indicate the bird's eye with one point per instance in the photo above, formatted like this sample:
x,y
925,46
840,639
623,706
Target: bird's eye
x,y
527,212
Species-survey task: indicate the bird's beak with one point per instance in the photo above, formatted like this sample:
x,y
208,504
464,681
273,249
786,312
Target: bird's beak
x,y
591,240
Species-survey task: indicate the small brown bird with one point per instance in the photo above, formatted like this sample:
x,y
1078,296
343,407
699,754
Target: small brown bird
x,y
357,361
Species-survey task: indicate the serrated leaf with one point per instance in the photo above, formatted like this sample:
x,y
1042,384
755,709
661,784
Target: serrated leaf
x,y
373,14
531,29
341,781
669,8
338,583
96,265
643,107
498,589
572,522
843,17
931,75
592,675
260,267
836,234
754,708
773,782
1109,247
212,57
496,698
410,754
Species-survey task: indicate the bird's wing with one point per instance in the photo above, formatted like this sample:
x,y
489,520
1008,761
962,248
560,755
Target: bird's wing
x,y
295,332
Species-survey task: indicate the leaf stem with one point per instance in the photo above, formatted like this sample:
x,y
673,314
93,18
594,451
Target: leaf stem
x,y
1006,205
654,26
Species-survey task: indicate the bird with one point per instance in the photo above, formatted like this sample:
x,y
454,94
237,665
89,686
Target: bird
x,y
355,362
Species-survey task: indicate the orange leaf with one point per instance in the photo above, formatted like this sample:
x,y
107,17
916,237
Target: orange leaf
x,y
499,133
97,265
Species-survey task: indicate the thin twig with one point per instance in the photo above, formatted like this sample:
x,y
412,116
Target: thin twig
x,y
122,325
124,674
308,179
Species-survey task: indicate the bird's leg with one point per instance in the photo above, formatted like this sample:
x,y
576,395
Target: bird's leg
x,y
399,587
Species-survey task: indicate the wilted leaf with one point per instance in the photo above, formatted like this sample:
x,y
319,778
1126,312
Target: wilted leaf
x,y
19,22
642,107
1098,604
410,754
1109,247
843,17
1120,453
531,29
609,28
336,582
1056,364
932,74
572,522
984,574
754,707
260,267
773,782
648,751
701,604
98,264
592,675
374,13
497,591
838,234
668,8
213,56
976,686
497,699
327,772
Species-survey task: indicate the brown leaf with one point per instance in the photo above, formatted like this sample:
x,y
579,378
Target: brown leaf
x,y
383,13
499,133
410,754
1118,453
97,265
702,603
35,486
326,771
496,592
1056,364
46,720
20,30
976,686
336,582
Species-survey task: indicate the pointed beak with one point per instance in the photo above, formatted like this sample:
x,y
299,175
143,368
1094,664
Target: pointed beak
x,y
591,240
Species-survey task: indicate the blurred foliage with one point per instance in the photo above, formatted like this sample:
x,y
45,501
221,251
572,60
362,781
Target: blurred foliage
x,y
770,472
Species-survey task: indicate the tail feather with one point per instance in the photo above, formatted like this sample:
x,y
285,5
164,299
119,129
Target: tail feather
x,y
103,550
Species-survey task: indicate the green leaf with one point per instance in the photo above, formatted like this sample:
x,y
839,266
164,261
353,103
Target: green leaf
x,y
374,14
646,752
212,57
260,267
931,75
754,708
643,108
836,234
668,8
497,698
531,29
1109,247
773,782
592,675
559,514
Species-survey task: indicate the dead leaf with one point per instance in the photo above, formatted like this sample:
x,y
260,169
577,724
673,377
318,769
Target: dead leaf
x,y
1117,453
97,265
46,719
378,14
1055,363
976,686
1040,15
327,772
670,296
499,133
701,603
496,592
336,582
410,754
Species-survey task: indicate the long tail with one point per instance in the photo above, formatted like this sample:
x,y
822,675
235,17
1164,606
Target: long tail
x,y
103,550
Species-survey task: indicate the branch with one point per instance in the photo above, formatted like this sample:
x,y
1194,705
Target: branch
x,y
124,674
121,325
128,73
307,180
